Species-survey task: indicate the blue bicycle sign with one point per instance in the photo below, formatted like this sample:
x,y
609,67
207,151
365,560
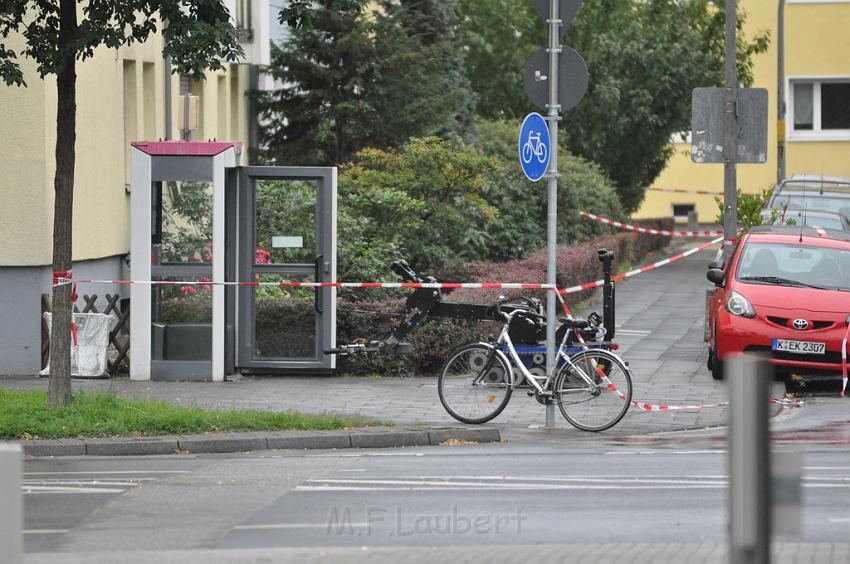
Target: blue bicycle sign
x,y
534,147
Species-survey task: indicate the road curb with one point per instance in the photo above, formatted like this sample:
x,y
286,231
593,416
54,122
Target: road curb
x,y
262,440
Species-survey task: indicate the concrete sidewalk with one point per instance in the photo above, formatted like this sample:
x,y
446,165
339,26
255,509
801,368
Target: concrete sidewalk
x,y
660,319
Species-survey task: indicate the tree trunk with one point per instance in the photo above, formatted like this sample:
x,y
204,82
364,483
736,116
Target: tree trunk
x,y
59,390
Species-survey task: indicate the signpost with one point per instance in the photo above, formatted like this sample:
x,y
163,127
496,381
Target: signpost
x,y
707,127
729,126
572,78
534,147
555,80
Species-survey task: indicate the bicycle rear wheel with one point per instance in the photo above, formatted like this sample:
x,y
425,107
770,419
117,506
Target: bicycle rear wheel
x,y
475,383
595,391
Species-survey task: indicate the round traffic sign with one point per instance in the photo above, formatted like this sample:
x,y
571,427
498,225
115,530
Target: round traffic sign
x,y
534,146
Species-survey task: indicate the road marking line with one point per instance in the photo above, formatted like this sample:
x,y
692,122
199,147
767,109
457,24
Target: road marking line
x,y
78,483
351,470
67,490
635,452
278,526
533,487
364,454
502,487
46,531
582,477
839,519
101,472
402,482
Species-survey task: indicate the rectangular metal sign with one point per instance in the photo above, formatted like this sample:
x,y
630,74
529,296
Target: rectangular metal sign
x,y
287,242
707,124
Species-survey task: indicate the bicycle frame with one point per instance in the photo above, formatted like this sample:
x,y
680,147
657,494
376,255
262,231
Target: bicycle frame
x,y
505,339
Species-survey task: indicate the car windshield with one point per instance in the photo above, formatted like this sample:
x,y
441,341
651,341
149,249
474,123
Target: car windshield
x,y
795,265
812,201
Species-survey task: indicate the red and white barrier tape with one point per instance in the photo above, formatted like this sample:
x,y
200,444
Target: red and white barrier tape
x,y
441,285
647,230
685,191
58,277
645,406
642,269
436,285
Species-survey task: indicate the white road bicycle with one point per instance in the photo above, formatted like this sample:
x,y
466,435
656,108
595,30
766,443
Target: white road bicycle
x,y
592,386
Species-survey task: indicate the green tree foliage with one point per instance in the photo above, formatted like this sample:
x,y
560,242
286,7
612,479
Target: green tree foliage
x,y
354,79
499,36
422,201
644,59
445,90
198,36
750,207
520,226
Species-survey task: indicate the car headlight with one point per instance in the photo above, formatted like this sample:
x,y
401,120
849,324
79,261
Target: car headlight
x,y
739,305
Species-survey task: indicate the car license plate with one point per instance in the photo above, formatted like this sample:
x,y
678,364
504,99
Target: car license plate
x,y
799,347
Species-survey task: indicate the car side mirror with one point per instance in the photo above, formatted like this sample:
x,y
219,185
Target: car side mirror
x,y
715,265
715,276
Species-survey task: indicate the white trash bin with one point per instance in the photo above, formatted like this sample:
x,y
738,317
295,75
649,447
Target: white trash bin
x,y
88,357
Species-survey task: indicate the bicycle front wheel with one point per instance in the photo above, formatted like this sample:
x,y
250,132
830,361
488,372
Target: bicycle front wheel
x,y
475,383
593,390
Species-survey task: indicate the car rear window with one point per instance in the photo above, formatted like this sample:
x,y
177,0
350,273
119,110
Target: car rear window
x,y
812,202
833,222
809,265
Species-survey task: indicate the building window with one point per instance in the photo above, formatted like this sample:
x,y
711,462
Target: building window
x,y
820,109
681,211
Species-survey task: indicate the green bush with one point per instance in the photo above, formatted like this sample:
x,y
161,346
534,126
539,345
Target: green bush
x,y
362,317
520,226
422,202
750,207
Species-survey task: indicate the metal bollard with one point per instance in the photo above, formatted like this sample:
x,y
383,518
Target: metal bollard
x,y
749,461
11,505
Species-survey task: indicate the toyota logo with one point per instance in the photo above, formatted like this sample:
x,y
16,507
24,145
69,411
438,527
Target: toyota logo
x,y
800,324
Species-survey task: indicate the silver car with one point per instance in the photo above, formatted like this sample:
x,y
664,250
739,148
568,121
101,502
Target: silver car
x,y
811,193
811,218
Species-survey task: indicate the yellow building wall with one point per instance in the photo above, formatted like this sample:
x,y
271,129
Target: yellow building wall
x,y
817,44
23,206
101,198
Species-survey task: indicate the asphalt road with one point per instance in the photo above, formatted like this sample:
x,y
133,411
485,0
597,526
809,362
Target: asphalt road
x,y
659,488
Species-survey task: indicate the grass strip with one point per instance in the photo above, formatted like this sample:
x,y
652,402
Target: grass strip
x,y
25,415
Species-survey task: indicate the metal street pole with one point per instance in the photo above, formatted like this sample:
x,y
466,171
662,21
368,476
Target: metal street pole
x,y
11,504
749,461
780,94
552,214
730,181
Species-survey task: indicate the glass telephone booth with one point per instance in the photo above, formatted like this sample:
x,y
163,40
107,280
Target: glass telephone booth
x,y
200,218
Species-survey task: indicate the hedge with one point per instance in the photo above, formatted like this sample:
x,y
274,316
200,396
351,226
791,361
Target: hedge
x,y
285,323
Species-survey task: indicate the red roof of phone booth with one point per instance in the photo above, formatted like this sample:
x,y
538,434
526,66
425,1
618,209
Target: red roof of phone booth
x,y
187,148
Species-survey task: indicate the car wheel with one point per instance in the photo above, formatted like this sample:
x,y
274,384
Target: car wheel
x,y
716,366
710,360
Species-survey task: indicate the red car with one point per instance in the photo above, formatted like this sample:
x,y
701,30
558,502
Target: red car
x,y
785,294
